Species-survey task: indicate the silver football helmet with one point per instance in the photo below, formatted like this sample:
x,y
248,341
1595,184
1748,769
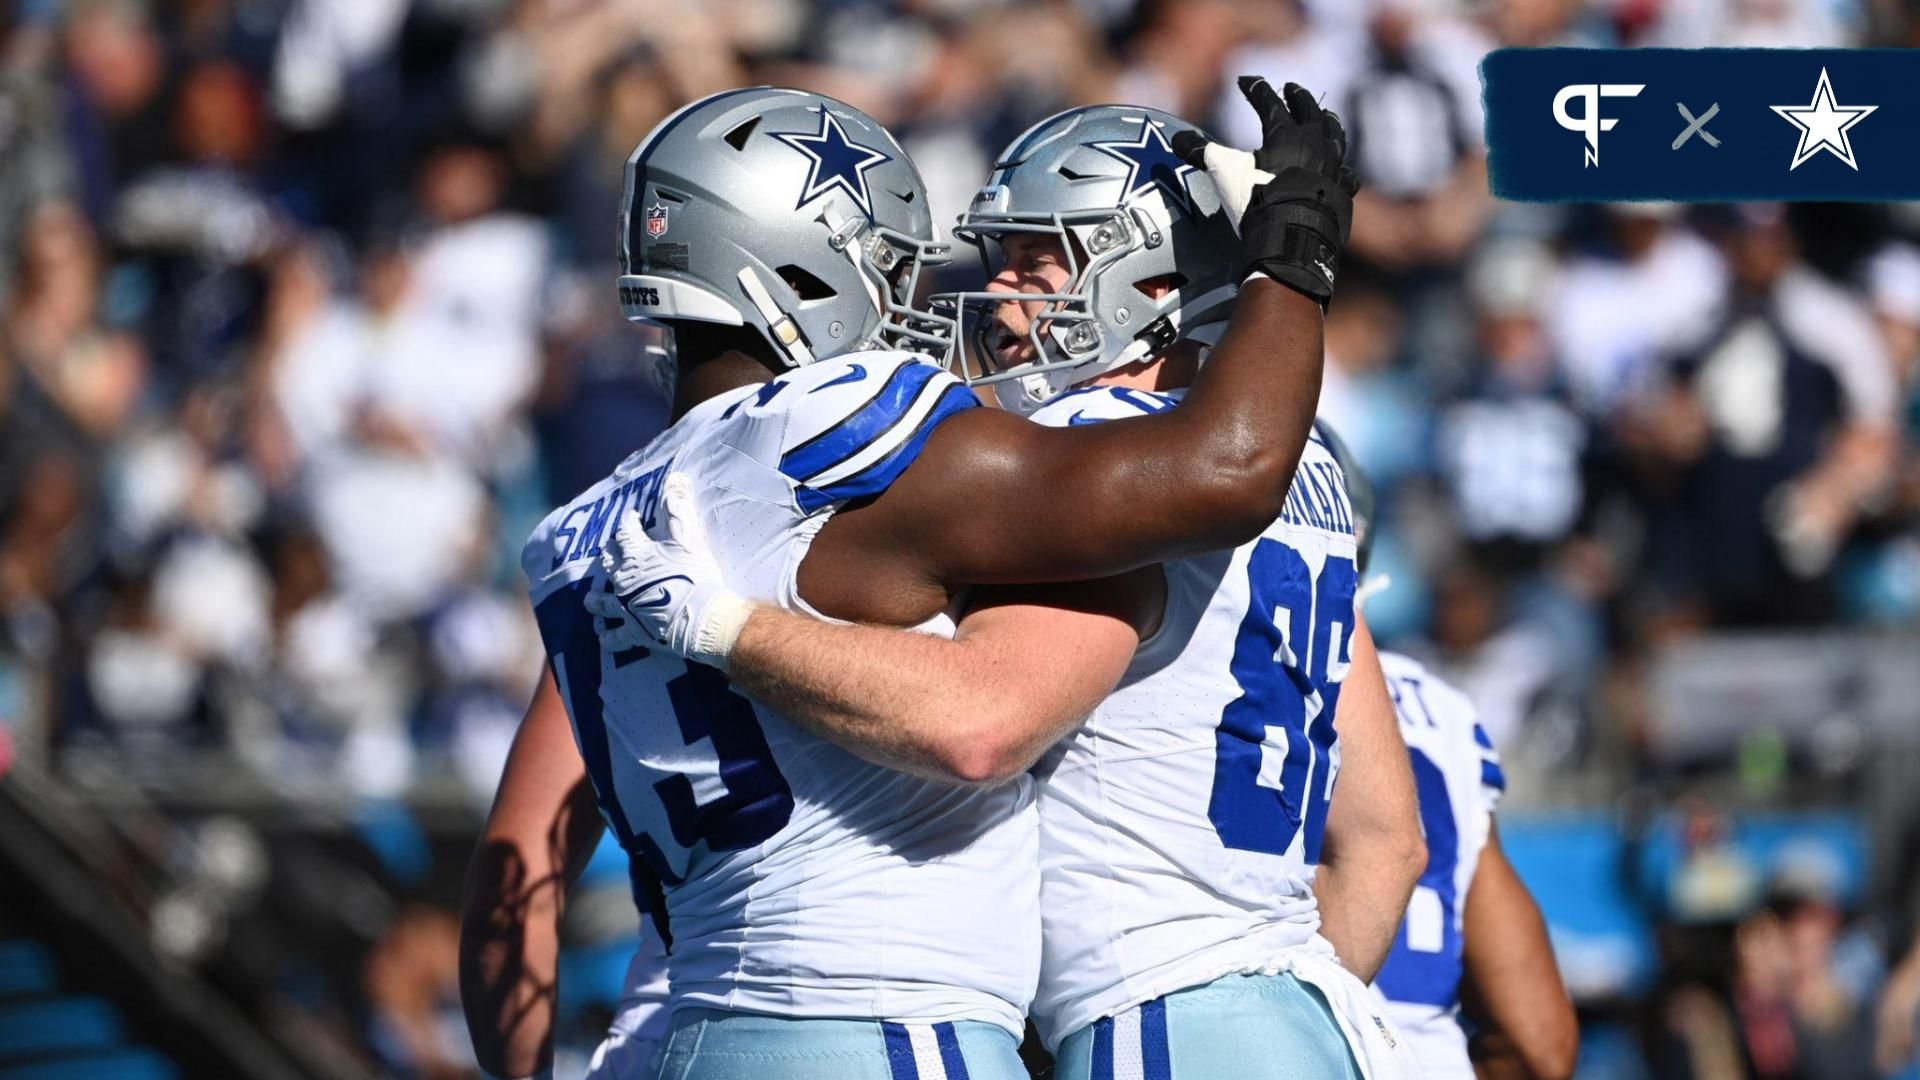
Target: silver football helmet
x,y
1129,213
785,211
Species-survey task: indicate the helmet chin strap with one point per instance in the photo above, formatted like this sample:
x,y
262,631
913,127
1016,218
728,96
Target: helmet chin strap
x,y
780,324
1208,334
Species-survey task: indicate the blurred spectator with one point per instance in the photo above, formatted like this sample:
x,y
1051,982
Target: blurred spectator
x,y
607,390
1364,394
1511,445
118,67
1893,286
1797,1020
183,477
1652,265
1320,46
1774,433
34,164
1413,118
46,544
323,49
332,676
1410,123
483,656
634,93
1757,24
1178,54
412,984
1508,665
196,225
1897,1020
92,377
143,692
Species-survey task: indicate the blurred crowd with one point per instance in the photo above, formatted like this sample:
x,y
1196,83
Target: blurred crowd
x,y
306,317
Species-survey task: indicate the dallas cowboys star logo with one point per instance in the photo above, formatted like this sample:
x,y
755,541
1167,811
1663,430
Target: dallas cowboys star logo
x,y
1823,125
834,161
1150,161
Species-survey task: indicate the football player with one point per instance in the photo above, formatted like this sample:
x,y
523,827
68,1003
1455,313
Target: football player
x,y
1183,824
1471,918
830,917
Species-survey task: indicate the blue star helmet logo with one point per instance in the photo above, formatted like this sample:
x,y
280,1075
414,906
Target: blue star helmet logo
x,y
1151,162
834,161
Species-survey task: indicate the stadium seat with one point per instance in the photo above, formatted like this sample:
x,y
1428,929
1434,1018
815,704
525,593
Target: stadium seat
x,y
128,1064
26,969
57,1025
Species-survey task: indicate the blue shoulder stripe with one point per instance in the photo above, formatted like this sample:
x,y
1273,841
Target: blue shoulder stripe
x,y
862,426
1492,776
876,477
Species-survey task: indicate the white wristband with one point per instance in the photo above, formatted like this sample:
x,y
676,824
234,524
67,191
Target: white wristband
x,y
720,627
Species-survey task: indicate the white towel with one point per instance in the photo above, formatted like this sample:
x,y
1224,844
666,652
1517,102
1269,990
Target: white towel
x,y
1382,1052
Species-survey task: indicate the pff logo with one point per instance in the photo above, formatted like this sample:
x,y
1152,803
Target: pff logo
x,y
1590,123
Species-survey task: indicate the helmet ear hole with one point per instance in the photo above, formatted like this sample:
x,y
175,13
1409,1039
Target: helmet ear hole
x,y
1159,285
737,138
804,284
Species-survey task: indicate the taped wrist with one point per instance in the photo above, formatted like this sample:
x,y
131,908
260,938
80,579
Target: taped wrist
x,y
720,625
1294,233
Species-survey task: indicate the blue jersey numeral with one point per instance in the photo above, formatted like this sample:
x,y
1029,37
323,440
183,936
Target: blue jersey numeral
x,y
757,804
1424,966
1291,612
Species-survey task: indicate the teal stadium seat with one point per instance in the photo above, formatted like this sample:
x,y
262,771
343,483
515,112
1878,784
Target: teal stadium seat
x,y
57,1026
125,1064
48,1032
26,969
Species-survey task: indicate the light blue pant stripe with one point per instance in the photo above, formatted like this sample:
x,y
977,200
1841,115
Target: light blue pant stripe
x,y
950,1056
900,1052
1154,1059
709,1044
1227,1028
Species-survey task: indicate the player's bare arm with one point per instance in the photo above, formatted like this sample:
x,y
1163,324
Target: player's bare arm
x,y
539,834
1025,665
1023,669
995,499
1512,985
1374,850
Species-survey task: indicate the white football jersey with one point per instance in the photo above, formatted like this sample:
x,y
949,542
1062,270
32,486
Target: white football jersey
x,y
1457,774
1180,826
799,880
640,1020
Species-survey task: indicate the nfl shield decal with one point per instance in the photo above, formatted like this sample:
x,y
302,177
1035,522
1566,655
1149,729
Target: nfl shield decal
x,y
657,220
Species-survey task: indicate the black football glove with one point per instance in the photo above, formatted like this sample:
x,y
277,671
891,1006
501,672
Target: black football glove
x,y
1292,200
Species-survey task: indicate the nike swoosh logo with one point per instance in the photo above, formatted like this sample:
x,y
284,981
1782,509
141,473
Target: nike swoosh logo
x,y
855,372
1080,418
638,599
